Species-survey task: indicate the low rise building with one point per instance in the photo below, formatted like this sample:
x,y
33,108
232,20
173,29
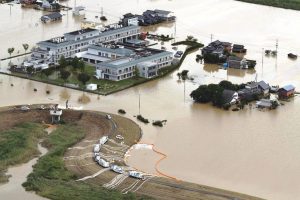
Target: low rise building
x,y
146,62
286,91
51,17
79,41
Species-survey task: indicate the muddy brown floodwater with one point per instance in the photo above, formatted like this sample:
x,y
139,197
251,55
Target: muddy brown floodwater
x,y
13,189
251,151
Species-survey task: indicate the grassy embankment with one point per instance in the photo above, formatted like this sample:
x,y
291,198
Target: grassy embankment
x,y
52,180
191,47
19,145
288,4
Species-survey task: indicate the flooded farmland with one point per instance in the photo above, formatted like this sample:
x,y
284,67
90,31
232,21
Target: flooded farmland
x,y
250,151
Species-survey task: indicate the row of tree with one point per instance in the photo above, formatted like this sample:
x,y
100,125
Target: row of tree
x,y
12,49
76,64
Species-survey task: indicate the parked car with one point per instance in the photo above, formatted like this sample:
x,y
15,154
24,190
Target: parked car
x,y
25,108
108,117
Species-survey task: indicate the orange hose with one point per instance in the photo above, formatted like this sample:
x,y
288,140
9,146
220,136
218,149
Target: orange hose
x,y
164,156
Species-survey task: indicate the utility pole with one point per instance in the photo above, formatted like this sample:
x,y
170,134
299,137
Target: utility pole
x,y
276,54
262,62
139,104
10,5
211,37
102,12
184,91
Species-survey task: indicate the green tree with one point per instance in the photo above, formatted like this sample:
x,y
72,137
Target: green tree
x,y
47,72
75,62
201,94
227,85
64,74
10,51
83,78
136,73
81,65
62,62
216,94
25,46
29,70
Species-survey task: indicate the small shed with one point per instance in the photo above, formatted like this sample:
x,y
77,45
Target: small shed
x,y
55,114
236,62
286,91
91,87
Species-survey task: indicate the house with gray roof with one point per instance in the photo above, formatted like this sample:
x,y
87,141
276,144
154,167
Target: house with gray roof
x,y
101,53
51,17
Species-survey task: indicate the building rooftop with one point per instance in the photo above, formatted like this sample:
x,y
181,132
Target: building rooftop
x,y
164,12
124,62
117,50
63,42
288,88
263,85
53,15
82,31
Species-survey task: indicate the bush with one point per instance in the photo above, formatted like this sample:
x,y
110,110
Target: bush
x,y
121,111
142,119
158,123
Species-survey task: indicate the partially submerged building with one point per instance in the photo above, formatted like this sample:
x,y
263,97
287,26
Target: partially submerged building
x,y
51,17
146,62
286,91
77,41
149,17
253,90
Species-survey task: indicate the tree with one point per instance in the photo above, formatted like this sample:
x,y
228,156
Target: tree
x,y
201,94
227,85
216,94
29,70
10,50
64,74
189,38
136,73
75,62
62,62
84,78
25,46
81,65
47,72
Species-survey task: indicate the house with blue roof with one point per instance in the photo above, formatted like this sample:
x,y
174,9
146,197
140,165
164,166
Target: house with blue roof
x,y
286,91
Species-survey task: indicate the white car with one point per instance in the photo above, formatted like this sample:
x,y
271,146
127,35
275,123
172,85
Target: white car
x,y
97,158
117,169
103,163
25,108
103,140
97,148
136,174
108,117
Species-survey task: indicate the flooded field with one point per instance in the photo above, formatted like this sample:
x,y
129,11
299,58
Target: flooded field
x,y
250,151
